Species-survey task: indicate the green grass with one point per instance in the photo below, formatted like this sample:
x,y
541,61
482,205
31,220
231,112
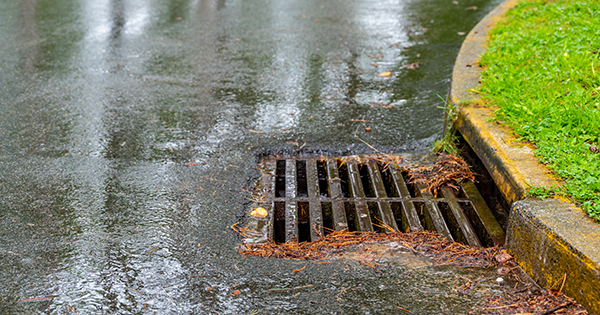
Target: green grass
x,y
542,71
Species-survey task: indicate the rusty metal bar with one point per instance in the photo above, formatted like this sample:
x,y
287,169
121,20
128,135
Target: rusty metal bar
x,y
434,213
384,207
462,220
316,216
399,181
268,192
337,204
357,191
291,214
407,206
484,214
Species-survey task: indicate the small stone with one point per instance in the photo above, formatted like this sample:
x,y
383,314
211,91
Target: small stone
x,y
594,149
259,212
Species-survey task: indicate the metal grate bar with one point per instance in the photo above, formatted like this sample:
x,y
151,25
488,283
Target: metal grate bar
x,y
357,191
268,191
408,207
291,209
484,214
434,213
400,184
316,216
463,222
384,207
337,205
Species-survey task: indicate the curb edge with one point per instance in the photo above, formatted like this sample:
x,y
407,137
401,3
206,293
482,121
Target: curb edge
x,y
548,238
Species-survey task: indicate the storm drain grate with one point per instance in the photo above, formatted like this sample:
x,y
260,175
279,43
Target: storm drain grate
x,y
305,197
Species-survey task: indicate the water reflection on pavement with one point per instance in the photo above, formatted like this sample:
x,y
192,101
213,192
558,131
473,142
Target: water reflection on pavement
x,y
128,129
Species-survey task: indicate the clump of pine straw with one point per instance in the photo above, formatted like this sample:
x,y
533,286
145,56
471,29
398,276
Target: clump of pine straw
x,y
449,171
442,250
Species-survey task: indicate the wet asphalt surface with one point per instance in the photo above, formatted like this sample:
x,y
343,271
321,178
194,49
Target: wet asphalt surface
x,y
129,129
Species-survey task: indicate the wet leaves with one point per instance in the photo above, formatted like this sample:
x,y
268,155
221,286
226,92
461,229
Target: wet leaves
x,y
37,299
298,270
412,66
380,104
385,74
443,251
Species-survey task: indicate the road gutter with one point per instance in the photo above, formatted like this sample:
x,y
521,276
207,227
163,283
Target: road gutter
x,y
548,238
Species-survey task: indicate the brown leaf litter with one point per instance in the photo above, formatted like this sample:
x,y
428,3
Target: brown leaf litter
x,y
432,244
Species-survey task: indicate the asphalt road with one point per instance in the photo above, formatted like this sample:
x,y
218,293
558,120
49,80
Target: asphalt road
x,y
129,128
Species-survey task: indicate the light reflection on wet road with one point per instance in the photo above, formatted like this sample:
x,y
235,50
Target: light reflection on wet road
x,y
104,104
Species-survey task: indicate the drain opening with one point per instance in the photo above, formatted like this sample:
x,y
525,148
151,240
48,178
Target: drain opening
x,y
303,222
388,183
302,188
375,216
412,188
424,216
366,181
327,212
309,197
483,234
280,179
451,222
344,180
399,214
279,222
322,176
350,209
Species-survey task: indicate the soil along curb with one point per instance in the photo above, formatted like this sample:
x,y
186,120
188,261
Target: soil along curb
x,y
548,238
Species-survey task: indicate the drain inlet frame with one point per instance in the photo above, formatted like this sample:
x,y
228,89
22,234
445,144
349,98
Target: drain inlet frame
x,y
488,228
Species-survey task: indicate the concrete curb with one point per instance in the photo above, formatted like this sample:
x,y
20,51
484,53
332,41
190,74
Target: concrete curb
x,y
548,238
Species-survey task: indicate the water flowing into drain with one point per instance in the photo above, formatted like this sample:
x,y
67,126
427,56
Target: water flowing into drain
x,y
309,197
